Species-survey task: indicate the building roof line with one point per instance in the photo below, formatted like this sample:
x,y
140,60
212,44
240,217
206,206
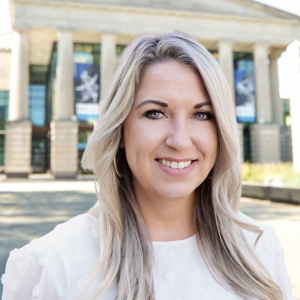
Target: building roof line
x,y
267,8
295,20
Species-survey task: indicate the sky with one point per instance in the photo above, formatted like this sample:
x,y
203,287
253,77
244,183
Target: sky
x,y
292,6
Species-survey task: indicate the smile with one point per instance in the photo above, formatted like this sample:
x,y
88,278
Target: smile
x,y
175,164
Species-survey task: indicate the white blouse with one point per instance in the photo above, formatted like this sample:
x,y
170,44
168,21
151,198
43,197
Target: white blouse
x,y
49,267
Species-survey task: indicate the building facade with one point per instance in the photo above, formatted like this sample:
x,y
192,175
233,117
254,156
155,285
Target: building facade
x,y
57,63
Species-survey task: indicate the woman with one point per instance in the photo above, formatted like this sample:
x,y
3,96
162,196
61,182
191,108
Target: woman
x,y
166,155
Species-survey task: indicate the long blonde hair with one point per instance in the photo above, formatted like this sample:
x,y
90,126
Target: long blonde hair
x,y
125,252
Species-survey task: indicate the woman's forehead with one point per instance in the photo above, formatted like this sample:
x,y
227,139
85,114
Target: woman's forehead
x,y
171,71
171,81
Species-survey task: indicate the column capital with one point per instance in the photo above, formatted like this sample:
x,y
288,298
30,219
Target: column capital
x,y
60,33
20,33
108,35
261,45
21,30
275,54
226,42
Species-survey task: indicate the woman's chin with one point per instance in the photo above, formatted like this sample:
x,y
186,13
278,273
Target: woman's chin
x,y
179,189
174,192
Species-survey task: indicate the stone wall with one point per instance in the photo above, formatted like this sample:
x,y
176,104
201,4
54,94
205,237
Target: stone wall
x,y
264,192
286,152
265,146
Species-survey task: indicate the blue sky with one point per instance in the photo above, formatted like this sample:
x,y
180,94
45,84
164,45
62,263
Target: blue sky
x,y
292,6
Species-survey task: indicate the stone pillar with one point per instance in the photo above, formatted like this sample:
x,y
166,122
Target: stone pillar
x,y
18,127
277,103
64,106
108,61
64,130
294,63
226,63
264,135
64,153
262,84
265,147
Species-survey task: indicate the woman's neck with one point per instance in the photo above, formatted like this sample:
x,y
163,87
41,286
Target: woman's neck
x,y
167,219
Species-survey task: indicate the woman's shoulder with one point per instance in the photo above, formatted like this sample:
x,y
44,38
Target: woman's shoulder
x,y
270,253
267,247
79,231
47,266
268,242
268,230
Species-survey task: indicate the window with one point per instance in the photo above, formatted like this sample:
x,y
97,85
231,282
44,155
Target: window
x,y
37,95
4,100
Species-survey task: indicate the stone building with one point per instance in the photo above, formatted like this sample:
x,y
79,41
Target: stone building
x,y
52,62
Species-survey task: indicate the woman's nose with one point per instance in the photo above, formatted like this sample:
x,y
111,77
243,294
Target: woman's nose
x,y
179,137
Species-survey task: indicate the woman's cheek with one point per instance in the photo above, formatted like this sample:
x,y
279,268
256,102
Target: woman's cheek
x,y
206,141
153,131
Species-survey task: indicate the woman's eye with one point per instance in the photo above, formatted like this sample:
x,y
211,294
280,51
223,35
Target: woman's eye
x,y
154,114
203,115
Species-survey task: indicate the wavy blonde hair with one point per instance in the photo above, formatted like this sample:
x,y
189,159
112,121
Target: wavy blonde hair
x,y
125,252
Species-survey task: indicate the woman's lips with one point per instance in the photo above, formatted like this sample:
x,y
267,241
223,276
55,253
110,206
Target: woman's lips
x,y
177,172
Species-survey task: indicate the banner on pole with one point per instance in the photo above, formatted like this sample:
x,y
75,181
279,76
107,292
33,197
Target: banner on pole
x,y
87,87
245,94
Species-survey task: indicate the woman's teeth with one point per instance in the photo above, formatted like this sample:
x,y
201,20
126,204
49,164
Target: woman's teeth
x,y
174,164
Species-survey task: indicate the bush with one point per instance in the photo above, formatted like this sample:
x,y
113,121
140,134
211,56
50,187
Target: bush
x,y
275,174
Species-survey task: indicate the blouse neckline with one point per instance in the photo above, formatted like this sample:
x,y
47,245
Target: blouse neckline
x,y
188,240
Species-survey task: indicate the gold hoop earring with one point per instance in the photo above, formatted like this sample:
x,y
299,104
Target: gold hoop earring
x,y
116,168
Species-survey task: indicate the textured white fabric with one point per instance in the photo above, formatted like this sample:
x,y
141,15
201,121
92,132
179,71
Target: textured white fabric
x,y
46,268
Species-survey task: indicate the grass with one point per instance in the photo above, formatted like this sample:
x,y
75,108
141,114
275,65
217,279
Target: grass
x,y
281,174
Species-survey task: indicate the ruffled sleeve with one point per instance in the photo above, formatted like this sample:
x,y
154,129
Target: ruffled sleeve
x,y
280,274
51,267
29,275
271,254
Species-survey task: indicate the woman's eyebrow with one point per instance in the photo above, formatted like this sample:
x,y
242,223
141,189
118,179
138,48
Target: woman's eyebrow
x,y
162,104
202,104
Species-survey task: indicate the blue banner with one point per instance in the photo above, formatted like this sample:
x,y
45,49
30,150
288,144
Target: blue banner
x,y
245,96
87,87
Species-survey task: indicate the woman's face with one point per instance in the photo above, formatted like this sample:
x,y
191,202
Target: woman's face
x,y
170,134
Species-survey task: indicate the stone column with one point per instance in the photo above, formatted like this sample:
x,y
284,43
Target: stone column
x,y
64,107
262,84
64,129
294,63
265,147
226,63
108,61
18,127
277,103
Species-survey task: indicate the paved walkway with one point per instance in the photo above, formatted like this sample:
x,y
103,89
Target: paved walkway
x,y
30,209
